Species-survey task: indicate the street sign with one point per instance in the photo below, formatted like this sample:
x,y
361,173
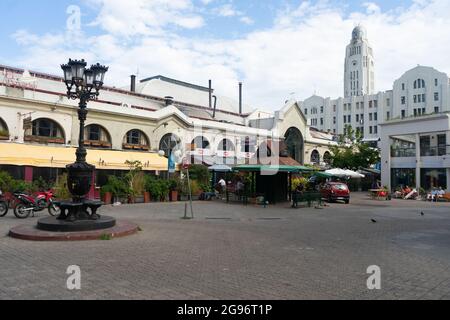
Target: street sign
x,y
185,164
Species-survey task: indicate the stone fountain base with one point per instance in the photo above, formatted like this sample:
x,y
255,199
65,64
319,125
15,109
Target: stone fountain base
x,y
120,229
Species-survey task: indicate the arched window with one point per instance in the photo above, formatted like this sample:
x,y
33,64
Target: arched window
x,y
419,83
248,145
294,144
4,133
226,145
200,142
327,157
264,151
315,157
136,140
45,131
169,143
97,136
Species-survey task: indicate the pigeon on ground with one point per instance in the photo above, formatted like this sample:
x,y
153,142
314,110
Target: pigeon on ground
x,y
422,214
373,220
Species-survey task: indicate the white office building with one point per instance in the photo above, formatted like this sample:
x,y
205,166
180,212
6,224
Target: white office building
x,y
419,91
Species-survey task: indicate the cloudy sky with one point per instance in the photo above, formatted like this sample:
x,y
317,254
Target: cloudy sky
x,y
277,48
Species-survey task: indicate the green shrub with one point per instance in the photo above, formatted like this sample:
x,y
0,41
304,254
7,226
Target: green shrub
x,y
41,185
299,181
200,173
158,188
119,187
6,182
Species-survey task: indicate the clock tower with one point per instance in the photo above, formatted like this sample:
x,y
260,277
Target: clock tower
x,y
359,72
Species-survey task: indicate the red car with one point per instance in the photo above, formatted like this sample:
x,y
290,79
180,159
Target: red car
x,y
333,191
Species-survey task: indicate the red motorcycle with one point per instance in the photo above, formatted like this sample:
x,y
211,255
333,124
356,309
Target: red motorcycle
x,y
3,205
27,204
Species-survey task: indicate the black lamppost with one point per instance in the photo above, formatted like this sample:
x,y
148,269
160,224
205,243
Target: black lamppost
x,y
83,84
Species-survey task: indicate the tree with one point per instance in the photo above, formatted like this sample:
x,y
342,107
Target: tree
x,y
135,177
352,153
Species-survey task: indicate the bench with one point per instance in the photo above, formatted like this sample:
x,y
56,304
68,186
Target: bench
x,y
309,197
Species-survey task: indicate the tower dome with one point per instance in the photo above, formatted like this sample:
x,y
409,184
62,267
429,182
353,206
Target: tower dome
x,y
359,33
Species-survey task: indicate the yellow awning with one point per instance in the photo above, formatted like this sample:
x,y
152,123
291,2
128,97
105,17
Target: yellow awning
x,y
59,157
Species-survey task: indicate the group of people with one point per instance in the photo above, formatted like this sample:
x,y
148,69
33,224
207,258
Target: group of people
x,y
436,194
407,193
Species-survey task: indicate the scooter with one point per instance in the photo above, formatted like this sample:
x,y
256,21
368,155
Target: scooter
x,y
30,205
3,206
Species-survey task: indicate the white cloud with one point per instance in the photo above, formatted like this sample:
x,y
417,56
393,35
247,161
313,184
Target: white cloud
x,y
144,17
303,50
227,10
372,8
247,20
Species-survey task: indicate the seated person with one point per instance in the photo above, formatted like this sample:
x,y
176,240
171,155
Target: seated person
x,y
439,194
413,194
431,196
407,190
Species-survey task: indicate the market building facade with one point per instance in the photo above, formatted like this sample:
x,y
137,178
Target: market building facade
x,y
38,127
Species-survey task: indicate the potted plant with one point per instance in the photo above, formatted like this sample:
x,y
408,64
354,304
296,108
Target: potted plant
x,y
106,194
117,187
173,189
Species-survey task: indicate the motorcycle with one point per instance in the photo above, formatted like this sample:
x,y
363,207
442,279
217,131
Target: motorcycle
x,y
3,206
30,205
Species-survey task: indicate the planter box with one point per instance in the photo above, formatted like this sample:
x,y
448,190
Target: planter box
x,y
147,197
139,199
44,140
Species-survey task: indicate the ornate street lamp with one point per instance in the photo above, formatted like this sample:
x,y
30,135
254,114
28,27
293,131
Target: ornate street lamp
x,y
83,84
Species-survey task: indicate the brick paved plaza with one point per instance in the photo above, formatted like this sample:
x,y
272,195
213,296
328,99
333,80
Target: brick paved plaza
x,y
237,252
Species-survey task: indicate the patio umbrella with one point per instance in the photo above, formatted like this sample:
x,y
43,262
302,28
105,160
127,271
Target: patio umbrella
x,y
220,168
344,173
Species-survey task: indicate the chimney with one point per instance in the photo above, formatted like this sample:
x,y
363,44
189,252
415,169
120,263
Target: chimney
x,y
133,83
168,100
240,97
210,94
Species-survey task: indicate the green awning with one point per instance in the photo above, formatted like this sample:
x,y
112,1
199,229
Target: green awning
x,y
268,168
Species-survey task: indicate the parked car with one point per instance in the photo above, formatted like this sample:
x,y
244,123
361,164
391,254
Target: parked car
x,y
334,191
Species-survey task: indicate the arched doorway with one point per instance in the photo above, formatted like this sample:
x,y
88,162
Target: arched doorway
x,y
294,142
315,157
168,143
327,158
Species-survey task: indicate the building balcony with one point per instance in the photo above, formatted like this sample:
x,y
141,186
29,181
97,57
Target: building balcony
x,y
403,152
438,151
